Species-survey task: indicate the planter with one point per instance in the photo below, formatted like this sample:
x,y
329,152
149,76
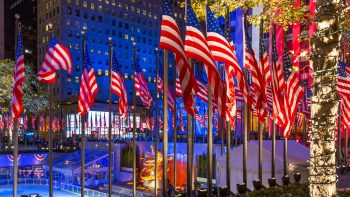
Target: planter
x,y
241,188
272,182
297,177
257,184
285,180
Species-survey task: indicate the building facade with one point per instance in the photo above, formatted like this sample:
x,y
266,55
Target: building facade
x,y
125,21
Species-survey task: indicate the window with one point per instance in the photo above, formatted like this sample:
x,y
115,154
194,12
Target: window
x,y
69,79
106,72
138,10
92,6
77,2
69,22
85,4
77,46
126,36
113,2
69,10
99,72
77,12
69,90
144,12
100,8
76,79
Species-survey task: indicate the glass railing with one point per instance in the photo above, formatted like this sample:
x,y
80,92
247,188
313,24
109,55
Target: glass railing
x,y
117,190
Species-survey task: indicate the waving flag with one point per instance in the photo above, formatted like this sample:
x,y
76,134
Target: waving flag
x,y
170,39
18,79
178,87
118,86
300,119
141,86
258,85
182,127
305,104
202,85
88,86
171,96
222,51
292,95
343,83
277,86
196,47
57,57
201,121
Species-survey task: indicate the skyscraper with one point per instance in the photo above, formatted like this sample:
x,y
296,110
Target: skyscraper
x,y
126,21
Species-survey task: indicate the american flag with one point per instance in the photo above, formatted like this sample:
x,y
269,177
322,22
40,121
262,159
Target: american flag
x,y
203,89
196,47
18,79
257,79
216,122
278,84
265,63
222,51
269,98
182,127
88,86
141,86
141,124
171,96
343,83
343,86
170,39
178,87
299,119
345,111
33,122
25,122
118,86
201,121
306,102
292,95
239,95
104,121
57,57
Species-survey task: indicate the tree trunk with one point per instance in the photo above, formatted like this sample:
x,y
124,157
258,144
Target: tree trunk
x,y
325,100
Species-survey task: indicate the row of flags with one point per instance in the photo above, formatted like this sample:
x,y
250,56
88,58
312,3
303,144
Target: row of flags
x,y
272,88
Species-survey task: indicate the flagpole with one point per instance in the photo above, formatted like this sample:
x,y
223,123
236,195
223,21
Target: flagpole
x,y
165,123
15,129
305,120
50,30
134,131
228,132
110,119
246,119
260,129
82,174
285,148
210,129
190,131
175,132
156,122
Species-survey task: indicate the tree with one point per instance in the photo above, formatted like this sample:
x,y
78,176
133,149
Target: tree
x,y
325,101
330,17
35,97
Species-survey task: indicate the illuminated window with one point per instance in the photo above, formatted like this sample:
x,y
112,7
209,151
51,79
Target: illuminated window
x,y
92,6
76,79
69,79
113,2
149,79
132,8
99,52
120,4
144,12
126,76
99,72
70,45
126,36
69,1
106,72
138,10
133,1
85,4
77,2
132,38
126,6
100,8
107,2
69,22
